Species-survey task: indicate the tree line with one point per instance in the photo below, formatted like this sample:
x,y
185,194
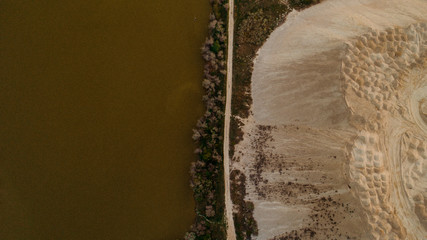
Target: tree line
x,y
206,172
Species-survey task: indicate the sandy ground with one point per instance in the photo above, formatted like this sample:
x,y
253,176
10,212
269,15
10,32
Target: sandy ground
x,y
231,233
336,145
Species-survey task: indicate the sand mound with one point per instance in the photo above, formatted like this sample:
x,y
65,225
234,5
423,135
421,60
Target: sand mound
x,y
387,70
338,138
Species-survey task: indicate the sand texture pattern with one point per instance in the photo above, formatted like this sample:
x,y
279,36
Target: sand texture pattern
x,y
337,140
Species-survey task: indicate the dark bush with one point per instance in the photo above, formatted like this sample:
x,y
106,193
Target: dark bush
x,y
216,47
301,4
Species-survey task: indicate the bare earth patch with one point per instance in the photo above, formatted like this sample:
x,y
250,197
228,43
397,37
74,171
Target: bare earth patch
x,y
336,142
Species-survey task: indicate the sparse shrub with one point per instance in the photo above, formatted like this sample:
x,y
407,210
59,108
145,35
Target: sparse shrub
x,y
254,28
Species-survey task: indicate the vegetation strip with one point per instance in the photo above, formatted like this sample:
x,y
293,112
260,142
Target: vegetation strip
x,y
207,172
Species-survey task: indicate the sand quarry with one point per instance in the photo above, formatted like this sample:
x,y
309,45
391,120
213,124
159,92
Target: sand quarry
x,y
336,145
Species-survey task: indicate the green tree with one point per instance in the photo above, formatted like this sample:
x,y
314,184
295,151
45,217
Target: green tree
x,y
216,47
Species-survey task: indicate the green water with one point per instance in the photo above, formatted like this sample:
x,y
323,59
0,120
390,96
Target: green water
x,y
97,102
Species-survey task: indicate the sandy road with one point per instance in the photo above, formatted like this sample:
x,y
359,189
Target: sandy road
x,y
231,233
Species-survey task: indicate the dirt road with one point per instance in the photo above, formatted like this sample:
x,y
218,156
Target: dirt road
x,y
231,233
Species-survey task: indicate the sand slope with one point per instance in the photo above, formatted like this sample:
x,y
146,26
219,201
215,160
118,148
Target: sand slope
x,y
336,144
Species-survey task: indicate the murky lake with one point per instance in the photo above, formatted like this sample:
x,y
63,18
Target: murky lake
x,y
97,102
